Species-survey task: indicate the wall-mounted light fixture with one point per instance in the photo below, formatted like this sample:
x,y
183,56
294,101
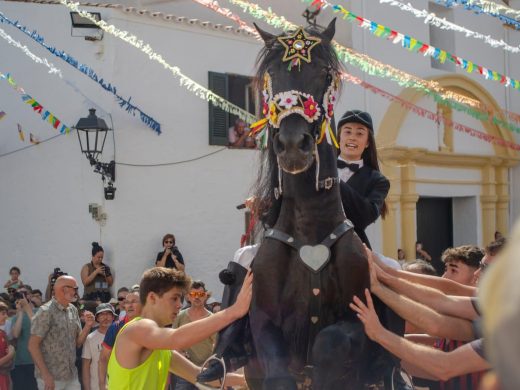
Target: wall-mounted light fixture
x,y
94,33
92,134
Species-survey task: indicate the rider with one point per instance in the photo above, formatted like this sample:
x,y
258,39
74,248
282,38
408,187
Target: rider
x,y
363,187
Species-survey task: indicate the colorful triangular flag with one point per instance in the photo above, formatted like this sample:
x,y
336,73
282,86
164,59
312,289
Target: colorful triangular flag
x,y
2,114
20,133
33,139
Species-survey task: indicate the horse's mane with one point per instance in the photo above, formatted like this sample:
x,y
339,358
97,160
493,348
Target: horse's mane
x,y
267,207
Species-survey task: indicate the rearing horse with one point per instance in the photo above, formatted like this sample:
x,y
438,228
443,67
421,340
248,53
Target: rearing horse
x,y
310,263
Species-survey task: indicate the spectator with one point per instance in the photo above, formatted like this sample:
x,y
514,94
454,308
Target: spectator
x,y
401,258
121,296
36,298
238,135
91,350
461,263
199,352
142,354
55,334
6,351
420,252
14,281
23,373
97,277
420,267
491,251
170,257
133,309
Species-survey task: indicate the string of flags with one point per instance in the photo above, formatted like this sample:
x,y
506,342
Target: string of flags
x,y
45,114
433,20
86,70
191,85
414,45
424,113
373,67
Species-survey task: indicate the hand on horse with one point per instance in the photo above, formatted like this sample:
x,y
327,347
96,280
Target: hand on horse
x,y
241,306
374,281
368,316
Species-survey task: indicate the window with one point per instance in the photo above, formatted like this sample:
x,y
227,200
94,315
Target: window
x,y
442,39
238,90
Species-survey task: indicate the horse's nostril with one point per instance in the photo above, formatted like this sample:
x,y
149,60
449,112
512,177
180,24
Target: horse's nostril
x,y
278,145
306,143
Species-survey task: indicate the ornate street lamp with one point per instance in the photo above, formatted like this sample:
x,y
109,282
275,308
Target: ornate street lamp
x,y
92,134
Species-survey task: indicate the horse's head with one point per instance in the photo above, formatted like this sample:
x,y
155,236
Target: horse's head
x,y
298,75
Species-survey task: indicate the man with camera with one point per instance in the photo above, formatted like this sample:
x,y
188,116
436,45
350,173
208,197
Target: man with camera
x,y
55,334
23,373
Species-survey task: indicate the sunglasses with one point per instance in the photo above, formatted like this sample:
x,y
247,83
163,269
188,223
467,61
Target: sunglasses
x,y
168,242
120,299
74,288
197,294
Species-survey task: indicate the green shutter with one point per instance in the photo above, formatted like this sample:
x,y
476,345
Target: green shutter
x,y
218,118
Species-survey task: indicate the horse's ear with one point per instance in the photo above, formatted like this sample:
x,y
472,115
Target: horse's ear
x,y
269,39
330,31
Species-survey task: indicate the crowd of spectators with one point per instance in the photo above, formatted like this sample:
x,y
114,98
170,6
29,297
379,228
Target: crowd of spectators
x,y
65,342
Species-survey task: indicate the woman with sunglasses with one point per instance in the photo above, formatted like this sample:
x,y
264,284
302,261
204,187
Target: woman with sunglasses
x,y
198,353
363,186
97,277
170,257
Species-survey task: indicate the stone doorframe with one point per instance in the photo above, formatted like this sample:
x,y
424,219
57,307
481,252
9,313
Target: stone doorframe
x,y
399,162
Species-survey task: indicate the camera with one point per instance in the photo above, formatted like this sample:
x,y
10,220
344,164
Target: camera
x,y
56,274
19,295
107,271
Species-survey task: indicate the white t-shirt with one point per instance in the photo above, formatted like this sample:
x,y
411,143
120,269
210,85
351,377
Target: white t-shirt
x,y
91,351
245,255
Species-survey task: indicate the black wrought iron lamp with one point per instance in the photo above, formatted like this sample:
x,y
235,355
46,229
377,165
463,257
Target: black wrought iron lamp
x,y
92,134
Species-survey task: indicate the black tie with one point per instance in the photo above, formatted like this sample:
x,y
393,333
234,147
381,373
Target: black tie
x,y
353,167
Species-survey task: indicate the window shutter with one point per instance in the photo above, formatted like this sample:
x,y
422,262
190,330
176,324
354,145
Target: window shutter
x,y
218,118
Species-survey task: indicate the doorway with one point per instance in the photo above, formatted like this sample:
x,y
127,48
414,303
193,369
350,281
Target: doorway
x,y
435,227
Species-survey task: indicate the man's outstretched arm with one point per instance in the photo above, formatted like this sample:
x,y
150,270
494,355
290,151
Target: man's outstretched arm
x,y
440,365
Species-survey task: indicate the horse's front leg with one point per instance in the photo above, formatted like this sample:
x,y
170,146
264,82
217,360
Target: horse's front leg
x,y
272,352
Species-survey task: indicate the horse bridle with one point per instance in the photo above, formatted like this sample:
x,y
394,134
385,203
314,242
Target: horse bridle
x,y
276,107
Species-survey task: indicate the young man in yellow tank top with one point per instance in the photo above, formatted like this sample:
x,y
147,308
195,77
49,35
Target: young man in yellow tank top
x,y
142,354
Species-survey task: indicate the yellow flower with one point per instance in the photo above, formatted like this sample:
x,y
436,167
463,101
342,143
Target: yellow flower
x,y
273,113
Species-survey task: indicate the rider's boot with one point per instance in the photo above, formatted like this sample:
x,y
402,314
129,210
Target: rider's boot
x,y
231,341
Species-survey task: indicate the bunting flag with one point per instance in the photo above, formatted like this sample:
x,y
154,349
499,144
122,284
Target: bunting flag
x,y
436,117
46,115
86,70
433,20
373,67
28,53
414,45
2,114
21,135
489,8
33,139
184,81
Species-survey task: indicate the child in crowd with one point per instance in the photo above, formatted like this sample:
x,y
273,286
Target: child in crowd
x,y
14,282
6,351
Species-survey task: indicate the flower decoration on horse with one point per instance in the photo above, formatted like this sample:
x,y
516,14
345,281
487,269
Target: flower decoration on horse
x,y
298,46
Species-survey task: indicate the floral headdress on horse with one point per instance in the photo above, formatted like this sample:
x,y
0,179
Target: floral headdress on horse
x,y
298,46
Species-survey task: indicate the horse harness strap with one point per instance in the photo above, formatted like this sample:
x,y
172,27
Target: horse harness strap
x,y
315,258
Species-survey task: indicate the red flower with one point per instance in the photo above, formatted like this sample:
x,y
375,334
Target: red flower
x,y
330,110
265,108
310,107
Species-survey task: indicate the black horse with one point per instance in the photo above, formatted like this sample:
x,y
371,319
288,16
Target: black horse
x,y
310,263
